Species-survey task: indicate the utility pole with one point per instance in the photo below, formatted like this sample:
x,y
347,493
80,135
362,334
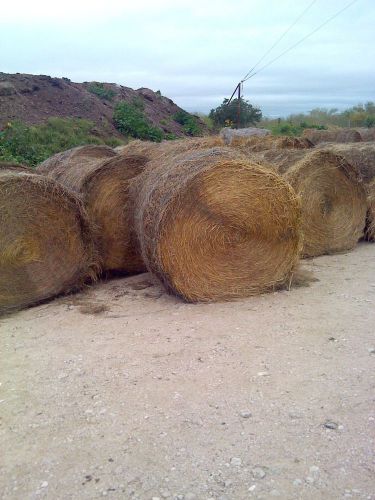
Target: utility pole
x,y
239,106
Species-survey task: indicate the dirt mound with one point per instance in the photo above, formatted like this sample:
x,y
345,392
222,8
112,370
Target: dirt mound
x,y
35,98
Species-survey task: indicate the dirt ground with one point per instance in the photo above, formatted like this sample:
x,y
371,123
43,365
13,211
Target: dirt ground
x,y
126,392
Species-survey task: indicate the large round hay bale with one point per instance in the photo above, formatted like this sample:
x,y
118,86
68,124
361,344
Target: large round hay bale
x,y
361,155
270,142
154,150
46,245
367,134
333,202
341,135
103,186
212,226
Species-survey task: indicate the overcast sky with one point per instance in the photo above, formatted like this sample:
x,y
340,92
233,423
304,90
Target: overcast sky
x,y
195,51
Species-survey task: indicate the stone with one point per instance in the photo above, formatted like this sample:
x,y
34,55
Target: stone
x,y
236,461
258,473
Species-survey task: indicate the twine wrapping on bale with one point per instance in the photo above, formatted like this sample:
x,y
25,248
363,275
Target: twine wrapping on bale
x,y
213,226
342,135
103,186
46,243
333,202
255,144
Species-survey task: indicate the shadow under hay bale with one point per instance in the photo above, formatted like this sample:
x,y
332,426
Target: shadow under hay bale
x,y
103,186
212,226
255,144
46,243
342,135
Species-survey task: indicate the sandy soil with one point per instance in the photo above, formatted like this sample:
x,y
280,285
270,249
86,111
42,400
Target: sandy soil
x,y
126,392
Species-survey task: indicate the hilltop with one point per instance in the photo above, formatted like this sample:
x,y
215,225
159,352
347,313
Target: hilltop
x,y
33,99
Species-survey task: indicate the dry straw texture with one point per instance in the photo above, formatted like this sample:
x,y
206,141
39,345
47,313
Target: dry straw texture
x,y
155,150
333,202
361,155
213,226
367,134
102,179
255,144
332,195
45,240
341,135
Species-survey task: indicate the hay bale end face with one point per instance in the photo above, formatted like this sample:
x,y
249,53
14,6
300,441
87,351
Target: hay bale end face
x,y
103,184
213,226
46,243
333,202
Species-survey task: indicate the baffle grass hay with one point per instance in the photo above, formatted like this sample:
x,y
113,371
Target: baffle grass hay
x,y
46,243
213,226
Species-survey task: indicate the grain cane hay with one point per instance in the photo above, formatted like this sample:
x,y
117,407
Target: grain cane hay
x,y
213,226
46,243
103,186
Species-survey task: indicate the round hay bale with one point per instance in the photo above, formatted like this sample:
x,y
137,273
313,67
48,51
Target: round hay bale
x,y
333,202
46,245
367,134
362,156
154,150
212,226
256,144
341,135
103,186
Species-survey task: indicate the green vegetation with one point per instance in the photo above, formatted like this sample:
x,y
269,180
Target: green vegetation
x,y
130,120
362,115
189,122
32,144
226,114
101,91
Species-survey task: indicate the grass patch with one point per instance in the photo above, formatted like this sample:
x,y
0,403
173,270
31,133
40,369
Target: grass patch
x,y
101,91
130,120
32,144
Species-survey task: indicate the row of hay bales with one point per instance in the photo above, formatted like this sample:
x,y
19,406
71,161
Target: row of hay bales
x,y
211,222
342,135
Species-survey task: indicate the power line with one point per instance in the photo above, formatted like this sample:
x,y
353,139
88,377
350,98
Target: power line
x,y
279,40
300,41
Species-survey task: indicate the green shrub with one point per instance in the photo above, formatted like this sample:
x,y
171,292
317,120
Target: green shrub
x,y
101,91
170,137
189,122
130,120
32,144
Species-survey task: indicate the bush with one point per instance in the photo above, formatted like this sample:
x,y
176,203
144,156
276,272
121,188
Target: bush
x,y
189,122
130,120
226,114
101,91
32,144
